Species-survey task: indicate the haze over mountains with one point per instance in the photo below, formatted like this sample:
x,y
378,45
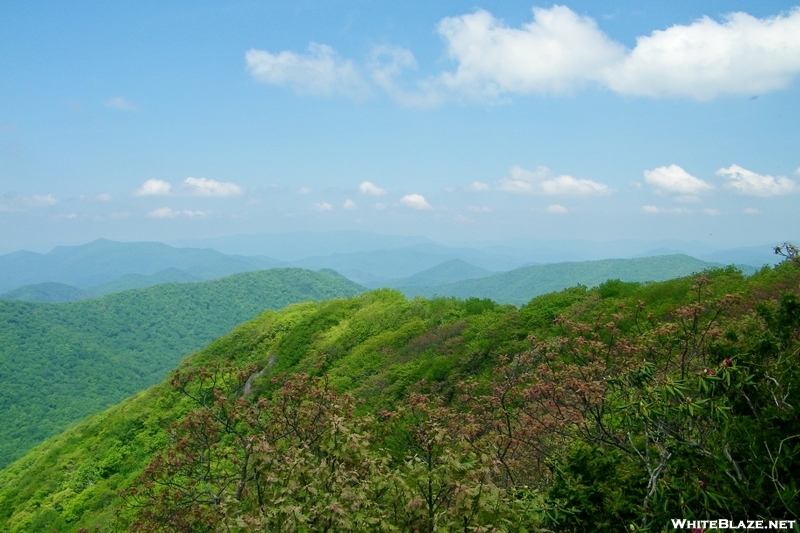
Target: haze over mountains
x,y
103,267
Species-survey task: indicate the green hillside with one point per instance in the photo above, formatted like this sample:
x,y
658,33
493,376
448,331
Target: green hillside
x,y
600,409
47,292
62,362
447,272
520,285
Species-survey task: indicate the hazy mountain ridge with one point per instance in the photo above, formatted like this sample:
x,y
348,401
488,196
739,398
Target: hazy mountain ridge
x,y
102,266
519,286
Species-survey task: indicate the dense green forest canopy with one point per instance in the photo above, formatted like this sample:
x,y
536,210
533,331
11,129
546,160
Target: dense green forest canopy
x,y
618,407
62,362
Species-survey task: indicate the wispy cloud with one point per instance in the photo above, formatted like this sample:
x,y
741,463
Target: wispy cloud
x,y
122,104
652,210
154,187
749,183
209,187
557,209
168,212
542,181
477,186
320,72
322,206
163,212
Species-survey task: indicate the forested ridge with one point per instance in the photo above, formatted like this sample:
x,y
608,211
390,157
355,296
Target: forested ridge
x,y
613,408
62,362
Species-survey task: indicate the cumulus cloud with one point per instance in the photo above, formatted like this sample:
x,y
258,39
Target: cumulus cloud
x,y
371,189
154,187
541,181
559,51
555,52
702,60
478,186
209,187
350,205
320,72
749,183
415,201
122,104
304,190
322,206
557,209
673,179
711,211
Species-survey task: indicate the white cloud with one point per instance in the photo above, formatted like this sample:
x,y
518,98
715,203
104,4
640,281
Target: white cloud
x,y
750,211
44,200
386,65
478,186
553,53
673,179
320,72
104,197
379,207
122,104
195,214
153,187
702,60
557,209
209,187
415,201
304,190
651,209
322,206
687,198
350,205
559,51
749,183
480,209
711,211
163,212
371,189
541,182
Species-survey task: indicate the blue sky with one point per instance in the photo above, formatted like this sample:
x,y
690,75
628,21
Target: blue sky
x,y
464,122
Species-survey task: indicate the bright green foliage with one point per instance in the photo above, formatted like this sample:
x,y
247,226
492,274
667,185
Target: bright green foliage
x,y
586,410
62,362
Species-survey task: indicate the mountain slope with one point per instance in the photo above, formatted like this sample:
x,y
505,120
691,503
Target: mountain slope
x,y
519,286
447,272
378,346
61,362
